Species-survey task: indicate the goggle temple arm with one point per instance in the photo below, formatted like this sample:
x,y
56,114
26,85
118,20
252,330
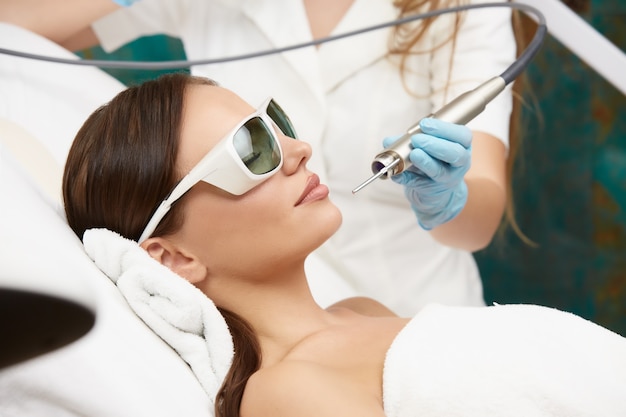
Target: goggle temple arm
x,y
181,188
156,218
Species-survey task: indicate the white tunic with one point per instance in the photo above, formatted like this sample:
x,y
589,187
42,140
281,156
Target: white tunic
x,y
344,98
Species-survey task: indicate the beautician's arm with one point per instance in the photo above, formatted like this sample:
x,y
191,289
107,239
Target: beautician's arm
x,y
474,227
66,22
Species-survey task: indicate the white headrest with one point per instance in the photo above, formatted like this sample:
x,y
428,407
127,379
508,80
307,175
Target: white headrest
x,y
50,101
120,368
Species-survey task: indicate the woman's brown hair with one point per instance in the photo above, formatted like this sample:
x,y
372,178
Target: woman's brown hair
x,y
121,164
120,167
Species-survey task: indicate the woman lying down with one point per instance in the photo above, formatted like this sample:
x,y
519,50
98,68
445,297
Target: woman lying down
x,y
179,177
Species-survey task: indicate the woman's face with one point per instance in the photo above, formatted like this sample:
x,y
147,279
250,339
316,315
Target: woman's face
x,y
278,222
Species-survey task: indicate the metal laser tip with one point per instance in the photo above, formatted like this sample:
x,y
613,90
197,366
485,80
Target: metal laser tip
x,y
379,174
369,180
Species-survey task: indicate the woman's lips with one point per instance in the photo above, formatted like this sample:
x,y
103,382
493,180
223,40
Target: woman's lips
x,y
313,191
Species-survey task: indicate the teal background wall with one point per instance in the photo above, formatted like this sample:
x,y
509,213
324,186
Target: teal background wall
x,y
569,182
149,49
570,188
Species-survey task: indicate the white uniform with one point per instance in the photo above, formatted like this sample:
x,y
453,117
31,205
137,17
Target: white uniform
x,y
344,98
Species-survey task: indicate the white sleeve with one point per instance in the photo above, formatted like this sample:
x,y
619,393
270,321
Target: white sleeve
x,y
144,18
485,47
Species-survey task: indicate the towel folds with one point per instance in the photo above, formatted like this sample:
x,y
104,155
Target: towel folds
x,y
172,307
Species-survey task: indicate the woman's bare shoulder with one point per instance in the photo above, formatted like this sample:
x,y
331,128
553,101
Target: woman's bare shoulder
x,y
305,388
365,306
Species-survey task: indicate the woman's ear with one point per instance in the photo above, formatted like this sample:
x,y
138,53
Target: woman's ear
x,y
178,260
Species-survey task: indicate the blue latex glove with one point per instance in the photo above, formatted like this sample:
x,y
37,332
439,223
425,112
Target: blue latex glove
x,y
125,3
434,185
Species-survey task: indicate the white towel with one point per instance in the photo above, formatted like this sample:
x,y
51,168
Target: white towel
x,y
508,360
173,308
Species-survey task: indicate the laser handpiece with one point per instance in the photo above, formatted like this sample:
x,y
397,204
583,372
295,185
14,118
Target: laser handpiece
x,y
395,159
462,109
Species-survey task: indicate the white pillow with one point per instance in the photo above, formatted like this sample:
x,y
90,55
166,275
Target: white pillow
x,y
120,368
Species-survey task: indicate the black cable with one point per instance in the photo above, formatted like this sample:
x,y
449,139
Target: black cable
x,y
508,75
527,55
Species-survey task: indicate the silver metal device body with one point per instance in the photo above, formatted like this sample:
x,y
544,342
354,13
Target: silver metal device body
x,y
461,110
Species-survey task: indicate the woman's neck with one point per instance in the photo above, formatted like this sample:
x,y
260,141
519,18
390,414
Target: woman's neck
x,y
280,308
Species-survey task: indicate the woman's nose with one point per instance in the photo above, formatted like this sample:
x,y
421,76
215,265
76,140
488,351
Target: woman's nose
x,y
295,154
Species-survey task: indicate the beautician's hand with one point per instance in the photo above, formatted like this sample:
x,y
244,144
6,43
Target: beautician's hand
x,y
434,185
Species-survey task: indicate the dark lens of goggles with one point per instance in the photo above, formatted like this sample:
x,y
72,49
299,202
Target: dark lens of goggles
x,y
276,113
256,146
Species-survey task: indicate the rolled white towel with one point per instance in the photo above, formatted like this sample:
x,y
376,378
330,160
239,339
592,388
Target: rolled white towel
x,y
179,313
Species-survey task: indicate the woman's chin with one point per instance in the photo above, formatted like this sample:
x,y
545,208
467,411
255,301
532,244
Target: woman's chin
x,y
323,224
329,226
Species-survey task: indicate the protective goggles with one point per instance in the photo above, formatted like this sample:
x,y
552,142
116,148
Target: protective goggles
x,y
243,159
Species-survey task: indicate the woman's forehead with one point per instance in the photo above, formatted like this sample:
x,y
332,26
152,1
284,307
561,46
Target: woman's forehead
x,y
216,99
210,112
